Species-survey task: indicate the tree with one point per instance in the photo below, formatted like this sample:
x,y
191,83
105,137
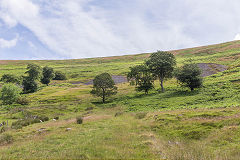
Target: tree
x,y
161,64
10,93
103,86
141,77
10,78
60,76
189,75
34,71
29,85
48,75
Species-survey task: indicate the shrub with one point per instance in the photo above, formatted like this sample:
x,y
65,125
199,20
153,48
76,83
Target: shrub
x,y
6,139
79,120
10,78
141,115
23,100
43,118
10,93
60,76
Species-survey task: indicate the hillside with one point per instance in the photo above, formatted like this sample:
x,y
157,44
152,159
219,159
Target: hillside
x,y
177,124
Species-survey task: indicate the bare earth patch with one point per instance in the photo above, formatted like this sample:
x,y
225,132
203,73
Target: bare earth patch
x,y
211,68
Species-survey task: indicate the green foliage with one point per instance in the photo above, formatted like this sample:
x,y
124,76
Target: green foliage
x,y
79,120
141,77
23,100
10,78
29,85
161,64
103,86
60,76
34,71
10,93
189,75
48,75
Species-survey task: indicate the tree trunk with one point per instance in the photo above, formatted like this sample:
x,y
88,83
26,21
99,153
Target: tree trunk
x,y
161,83
103,96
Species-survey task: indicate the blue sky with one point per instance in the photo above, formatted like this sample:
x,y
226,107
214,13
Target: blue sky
x,y
60,29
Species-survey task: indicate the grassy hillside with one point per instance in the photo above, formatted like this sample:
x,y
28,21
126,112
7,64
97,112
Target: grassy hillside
x,y
177,124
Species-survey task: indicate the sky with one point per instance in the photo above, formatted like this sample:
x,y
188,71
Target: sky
x,y
71,29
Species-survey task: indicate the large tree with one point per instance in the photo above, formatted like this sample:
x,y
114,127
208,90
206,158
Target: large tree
x,y
141,77
103,86
161,64
34,73
189,75
48,75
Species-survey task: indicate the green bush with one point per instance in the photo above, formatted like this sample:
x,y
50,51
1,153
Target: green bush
x,y
60,76
23,100
10,93
79,120
10,78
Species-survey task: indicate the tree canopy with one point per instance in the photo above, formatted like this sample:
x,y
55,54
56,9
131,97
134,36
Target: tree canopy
x,y
161,65
141,77
103,86
189,76
47,75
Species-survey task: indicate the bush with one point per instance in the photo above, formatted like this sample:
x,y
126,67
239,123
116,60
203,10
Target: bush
x,y
48,75
6,139
141,115
10,78
10,93
23,100
29,85
79,120
60,76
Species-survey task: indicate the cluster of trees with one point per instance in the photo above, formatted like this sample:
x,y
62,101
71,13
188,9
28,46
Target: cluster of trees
x,y
29,82
162,66
159,66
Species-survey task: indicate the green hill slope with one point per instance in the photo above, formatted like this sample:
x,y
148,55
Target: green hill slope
x,y
177,124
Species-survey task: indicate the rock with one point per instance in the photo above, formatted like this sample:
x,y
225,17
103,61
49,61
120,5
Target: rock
x,y
68,129
54,120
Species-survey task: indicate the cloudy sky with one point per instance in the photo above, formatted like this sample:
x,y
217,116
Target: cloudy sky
x,y
61,29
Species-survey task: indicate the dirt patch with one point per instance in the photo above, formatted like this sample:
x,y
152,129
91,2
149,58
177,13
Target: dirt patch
x,y
211,68
117,80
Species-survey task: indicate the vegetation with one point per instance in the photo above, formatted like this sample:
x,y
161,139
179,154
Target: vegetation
x,y
48,75
59,76
161,64
10,93
176,124
10,78
103,86
189,75
141,77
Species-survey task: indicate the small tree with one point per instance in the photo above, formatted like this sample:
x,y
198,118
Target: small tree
x,y
189,75
10,78
48,75
60,76
141,77
10,93
103,86
161,64
34,73
29,85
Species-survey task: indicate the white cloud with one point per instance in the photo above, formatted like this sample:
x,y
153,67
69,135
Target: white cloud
x,y
8,43
237,37
82,28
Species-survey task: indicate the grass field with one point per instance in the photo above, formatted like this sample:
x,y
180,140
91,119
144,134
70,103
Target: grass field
x,y
177,124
